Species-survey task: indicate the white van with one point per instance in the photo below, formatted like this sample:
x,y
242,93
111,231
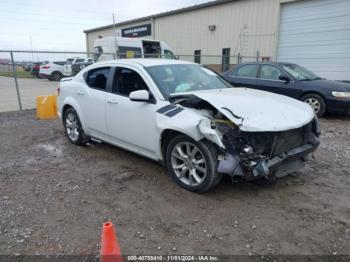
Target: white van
x,y
108,48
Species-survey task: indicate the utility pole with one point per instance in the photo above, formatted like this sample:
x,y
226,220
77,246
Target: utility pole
x,y
115,36
31,46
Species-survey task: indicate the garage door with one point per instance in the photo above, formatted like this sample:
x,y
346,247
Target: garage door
x,y
316,34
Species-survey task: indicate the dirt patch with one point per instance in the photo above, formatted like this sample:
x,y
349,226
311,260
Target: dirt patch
x,y
54,197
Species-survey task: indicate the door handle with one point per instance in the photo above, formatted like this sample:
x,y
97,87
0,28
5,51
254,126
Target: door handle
x,y
80,93
112,101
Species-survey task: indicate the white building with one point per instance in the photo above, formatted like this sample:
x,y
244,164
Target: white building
x,y
313,33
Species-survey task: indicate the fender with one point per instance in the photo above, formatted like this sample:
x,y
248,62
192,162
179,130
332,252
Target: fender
x,y
73,103
184,122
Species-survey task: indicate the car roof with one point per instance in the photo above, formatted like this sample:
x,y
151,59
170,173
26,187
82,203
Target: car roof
x,y
146,62
264,63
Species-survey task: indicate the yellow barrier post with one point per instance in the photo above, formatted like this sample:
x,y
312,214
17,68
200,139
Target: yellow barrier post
x,y
46,107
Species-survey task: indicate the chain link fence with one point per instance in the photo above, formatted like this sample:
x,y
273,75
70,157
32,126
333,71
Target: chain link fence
x,y
24,75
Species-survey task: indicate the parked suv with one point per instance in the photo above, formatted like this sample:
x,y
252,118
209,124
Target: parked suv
x,y
78,66
294,81
189,118
74,60
53,71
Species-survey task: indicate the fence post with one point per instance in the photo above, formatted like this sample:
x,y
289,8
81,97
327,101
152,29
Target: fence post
x,y
257,56
14,75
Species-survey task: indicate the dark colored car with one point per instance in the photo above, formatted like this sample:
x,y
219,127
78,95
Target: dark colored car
x,y
294,81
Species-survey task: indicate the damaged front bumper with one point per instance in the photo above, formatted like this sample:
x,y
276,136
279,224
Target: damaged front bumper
x,y
268,154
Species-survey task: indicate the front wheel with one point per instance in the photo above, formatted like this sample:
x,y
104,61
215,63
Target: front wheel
x,y
73,127
193,165
316,102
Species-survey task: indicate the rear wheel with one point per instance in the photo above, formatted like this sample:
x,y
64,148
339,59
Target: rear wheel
x,y
316,102
56,76
73,128
193,165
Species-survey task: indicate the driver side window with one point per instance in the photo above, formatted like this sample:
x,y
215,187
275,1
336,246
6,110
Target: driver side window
x,y
127,81
269,72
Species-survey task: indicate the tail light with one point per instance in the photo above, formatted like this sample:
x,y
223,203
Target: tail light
x,y
58,91
45,67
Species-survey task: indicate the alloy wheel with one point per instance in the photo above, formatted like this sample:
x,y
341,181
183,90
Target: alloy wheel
x,y
189,163
314,103
72,127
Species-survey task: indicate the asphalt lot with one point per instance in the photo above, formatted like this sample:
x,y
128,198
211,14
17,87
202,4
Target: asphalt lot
x,y
29,89
54,197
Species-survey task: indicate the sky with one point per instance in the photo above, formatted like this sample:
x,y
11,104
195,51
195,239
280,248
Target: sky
x,y
58,25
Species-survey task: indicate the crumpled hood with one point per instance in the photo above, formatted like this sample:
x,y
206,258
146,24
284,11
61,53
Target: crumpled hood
x,y
256,111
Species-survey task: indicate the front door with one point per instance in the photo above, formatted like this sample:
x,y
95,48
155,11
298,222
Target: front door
x,y
131,124
269,80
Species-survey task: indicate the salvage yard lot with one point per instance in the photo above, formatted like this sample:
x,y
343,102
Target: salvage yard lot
x,y
29,89
54,197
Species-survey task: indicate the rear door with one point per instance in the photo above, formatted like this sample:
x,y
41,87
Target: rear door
x,y
269,80
244,76
92,100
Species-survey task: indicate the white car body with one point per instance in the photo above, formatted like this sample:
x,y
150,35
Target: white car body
x,y
140,126
51,69
67,68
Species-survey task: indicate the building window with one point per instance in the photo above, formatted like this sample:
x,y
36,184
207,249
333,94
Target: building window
x,y
197,56
225,63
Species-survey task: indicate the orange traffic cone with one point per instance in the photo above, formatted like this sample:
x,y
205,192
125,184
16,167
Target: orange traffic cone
x,y
110,251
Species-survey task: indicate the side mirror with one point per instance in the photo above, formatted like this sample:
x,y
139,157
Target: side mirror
x,y
284,78
140,96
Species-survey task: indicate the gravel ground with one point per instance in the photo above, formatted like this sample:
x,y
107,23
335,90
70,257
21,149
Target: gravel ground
x,y
54,197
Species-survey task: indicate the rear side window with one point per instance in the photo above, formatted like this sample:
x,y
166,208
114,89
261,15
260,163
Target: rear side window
x,y
59,63
247,71
79,60
97,78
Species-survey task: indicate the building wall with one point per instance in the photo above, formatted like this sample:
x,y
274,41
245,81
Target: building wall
x,y
92,36
244,26
255,20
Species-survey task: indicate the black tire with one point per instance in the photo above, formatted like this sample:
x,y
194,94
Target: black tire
x,y
80,139
318,100
210,154
55,76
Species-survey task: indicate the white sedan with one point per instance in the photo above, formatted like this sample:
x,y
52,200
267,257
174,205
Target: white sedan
x,y
187,117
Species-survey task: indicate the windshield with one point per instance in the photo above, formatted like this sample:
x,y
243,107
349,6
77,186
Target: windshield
x,y
299,72
184,78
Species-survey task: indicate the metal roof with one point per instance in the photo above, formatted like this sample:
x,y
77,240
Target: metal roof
x,y
172,12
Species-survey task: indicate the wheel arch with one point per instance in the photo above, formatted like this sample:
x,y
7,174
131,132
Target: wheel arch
x,y
69,102
56,71
311,92
169,133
